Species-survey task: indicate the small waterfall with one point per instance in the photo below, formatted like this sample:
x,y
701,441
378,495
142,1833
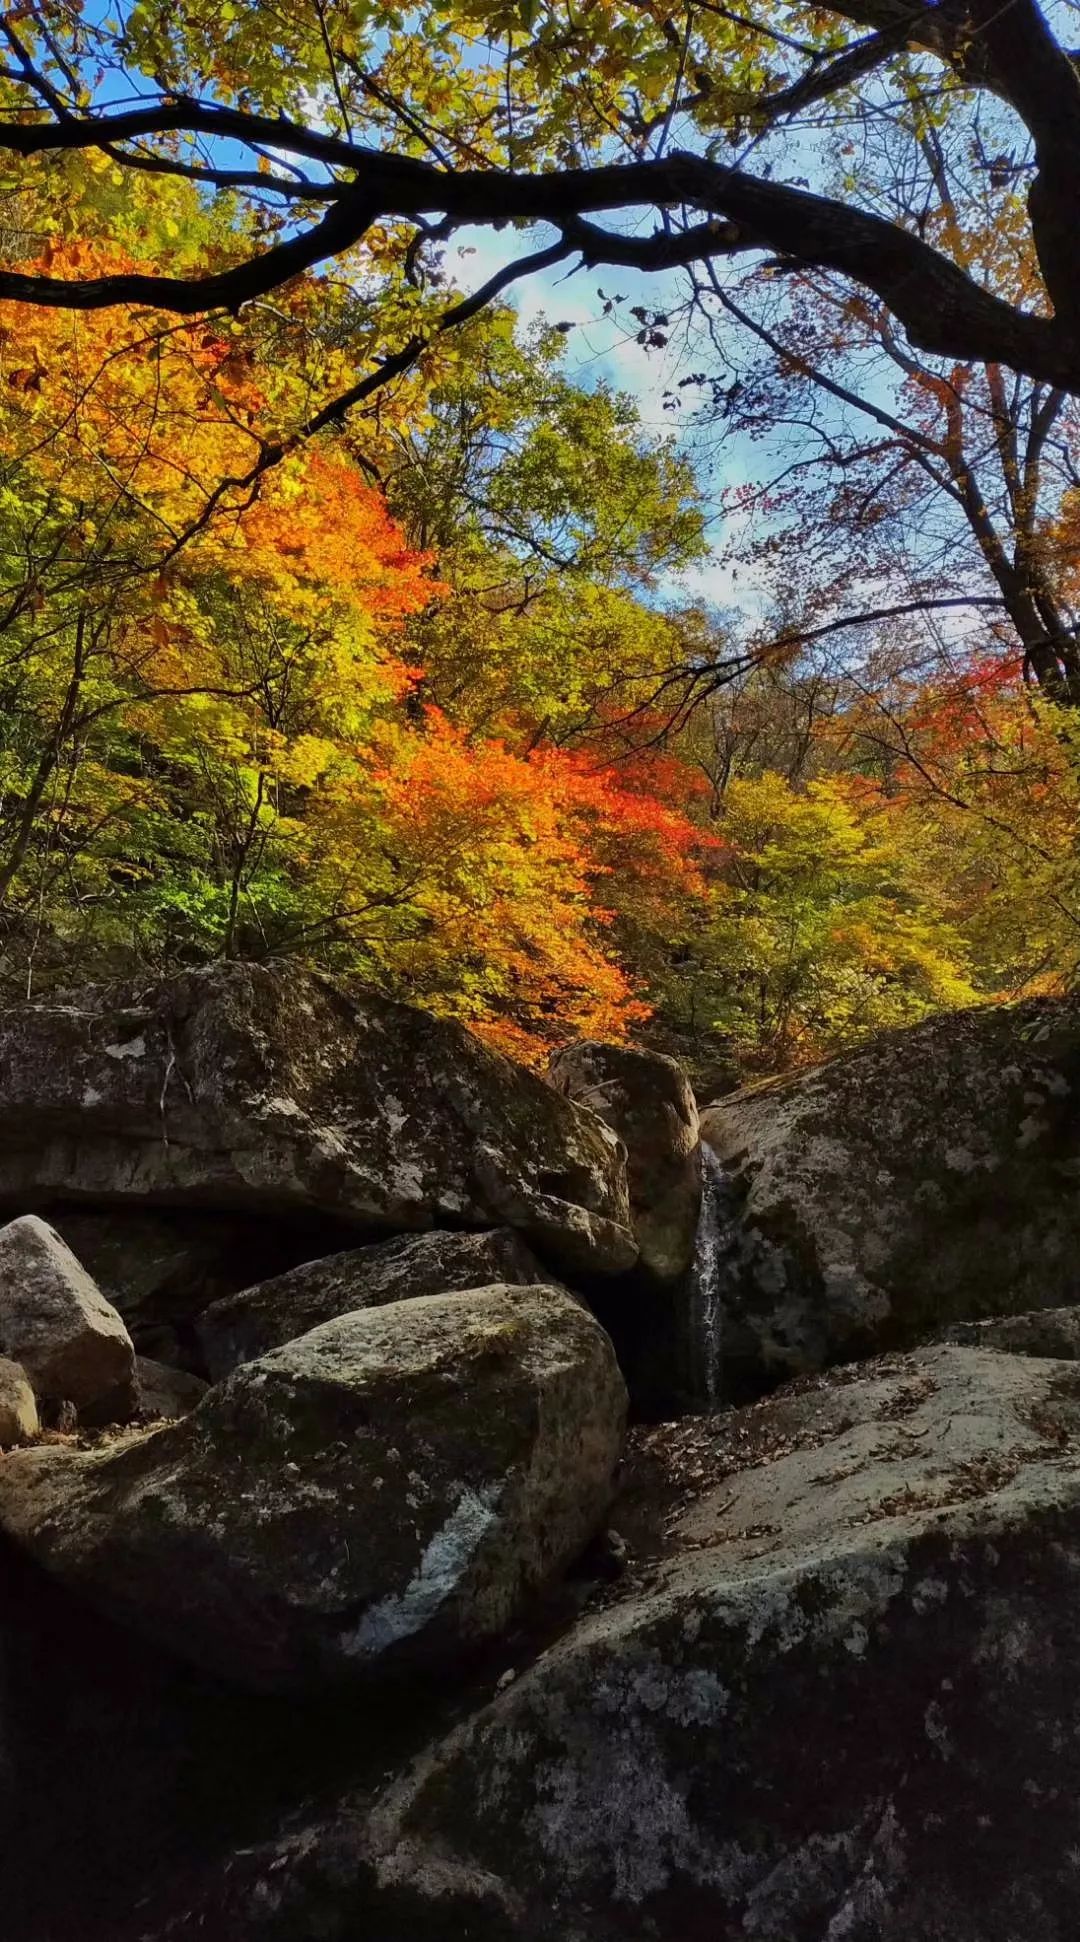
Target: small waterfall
x,y
713,1252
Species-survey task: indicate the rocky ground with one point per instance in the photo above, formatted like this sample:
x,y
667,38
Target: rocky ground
x,y
338,1599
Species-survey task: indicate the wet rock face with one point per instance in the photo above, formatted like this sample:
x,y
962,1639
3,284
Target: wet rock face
x,y
388,1488
647,1099
244,1087
926,1181
56,1323
258,1319
844,1705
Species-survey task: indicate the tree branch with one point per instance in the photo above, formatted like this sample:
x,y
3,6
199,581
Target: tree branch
x,y
344,223
941,308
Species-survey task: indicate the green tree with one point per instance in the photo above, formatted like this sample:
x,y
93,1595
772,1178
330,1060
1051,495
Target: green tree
x,y
554,518
823,928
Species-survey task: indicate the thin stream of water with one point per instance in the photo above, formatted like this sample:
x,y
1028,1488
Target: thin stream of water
x,y
708,1277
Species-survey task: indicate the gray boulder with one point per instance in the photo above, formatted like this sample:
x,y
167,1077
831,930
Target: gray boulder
x,y
925,1181
844,1704
56,1323
249,1324
18,1408
647,1099
387,1489
162,1392
251,1087
1053,1332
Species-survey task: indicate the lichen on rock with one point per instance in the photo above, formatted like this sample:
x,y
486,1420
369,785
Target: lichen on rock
x,y
923,1181
394,1483
244,1087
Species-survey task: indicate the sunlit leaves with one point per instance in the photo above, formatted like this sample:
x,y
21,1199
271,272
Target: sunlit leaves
x,y
823,932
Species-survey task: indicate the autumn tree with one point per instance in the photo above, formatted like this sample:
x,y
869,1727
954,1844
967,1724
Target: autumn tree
x,y
332,125
823,930
556,520
222,732
901,486
157,622
338,620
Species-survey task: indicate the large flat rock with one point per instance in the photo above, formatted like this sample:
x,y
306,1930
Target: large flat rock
x,y
263,1087
842,1703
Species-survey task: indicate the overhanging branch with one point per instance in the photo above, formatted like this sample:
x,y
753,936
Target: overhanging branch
x,y
943,310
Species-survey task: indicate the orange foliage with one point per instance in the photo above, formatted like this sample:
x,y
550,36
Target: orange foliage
x,y
334,536
952,712
252,645
508,866
131,413
129,405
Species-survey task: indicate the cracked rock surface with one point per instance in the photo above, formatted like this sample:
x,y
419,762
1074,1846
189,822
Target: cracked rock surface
x,y
836,1696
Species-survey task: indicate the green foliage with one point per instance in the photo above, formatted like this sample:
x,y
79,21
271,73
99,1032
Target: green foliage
x,y
821,930
553,517
407,698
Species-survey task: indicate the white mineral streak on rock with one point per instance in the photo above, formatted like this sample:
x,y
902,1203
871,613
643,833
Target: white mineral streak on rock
x,y
444,1561
134,1048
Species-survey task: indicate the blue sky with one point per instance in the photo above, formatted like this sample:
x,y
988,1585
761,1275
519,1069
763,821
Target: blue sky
x,y
603,349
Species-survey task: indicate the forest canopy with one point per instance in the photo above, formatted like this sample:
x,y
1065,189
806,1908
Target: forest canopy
x,y
346,614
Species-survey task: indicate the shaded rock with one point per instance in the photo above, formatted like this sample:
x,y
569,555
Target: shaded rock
x,y
839,1701
56,1323
18,1408
843,1705
1053,1332
248,1324
244,1086
123,1771
389,1487
646,1098
165,1392
160,1267
927,1180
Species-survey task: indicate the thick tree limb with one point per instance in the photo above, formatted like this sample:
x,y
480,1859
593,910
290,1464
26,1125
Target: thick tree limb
x,y
953,30
943,310
343,224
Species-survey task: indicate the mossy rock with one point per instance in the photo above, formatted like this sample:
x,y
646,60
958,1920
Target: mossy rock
x,y
925,1181
388,1489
